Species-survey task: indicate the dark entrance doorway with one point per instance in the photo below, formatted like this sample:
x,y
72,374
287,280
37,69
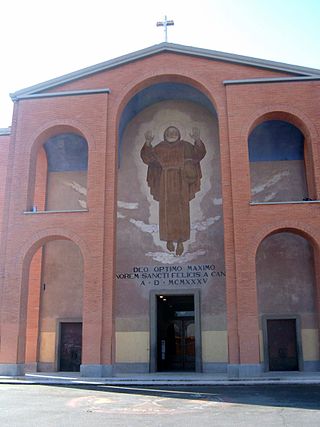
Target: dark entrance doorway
x,y
70,346
175,333
282,345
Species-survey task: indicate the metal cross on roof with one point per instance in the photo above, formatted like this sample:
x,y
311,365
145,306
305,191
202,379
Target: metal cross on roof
x,y
165,24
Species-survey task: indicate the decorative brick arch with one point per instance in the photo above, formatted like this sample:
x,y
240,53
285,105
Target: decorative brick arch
x,y
54,127
29,248
18,280
40,136
283,112
150,79
300,120
265,294
309,233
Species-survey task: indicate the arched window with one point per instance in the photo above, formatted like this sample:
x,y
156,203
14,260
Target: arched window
x,y
277,166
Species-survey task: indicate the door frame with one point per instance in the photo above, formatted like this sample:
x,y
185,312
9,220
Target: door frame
x,y
58,337
154,319
265,319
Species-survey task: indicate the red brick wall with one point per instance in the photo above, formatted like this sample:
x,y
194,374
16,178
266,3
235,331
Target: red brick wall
x,y
96,117
4,149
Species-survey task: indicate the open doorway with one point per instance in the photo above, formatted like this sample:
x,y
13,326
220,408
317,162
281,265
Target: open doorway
x,y
175,333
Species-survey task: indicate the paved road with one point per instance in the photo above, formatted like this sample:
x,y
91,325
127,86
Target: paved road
x,y
201,406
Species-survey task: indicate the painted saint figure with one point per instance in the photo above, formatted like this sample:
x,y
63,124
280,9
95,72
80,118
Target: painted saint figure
x,y
174,176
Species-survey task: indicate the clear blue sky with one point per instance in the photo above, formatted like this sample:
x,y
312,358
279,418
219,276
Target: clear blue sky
x,y
43,39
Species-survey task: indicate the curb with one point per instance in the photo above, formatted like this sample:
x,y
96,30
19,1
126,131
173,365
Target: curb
x,y
157,382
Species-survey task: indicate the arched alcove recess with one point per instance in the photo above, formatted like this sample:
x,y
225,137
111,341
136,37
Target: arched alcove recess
x,y
14,337
54,295
154,106
134,92
58,170
145,82
305,172
287,294
309,233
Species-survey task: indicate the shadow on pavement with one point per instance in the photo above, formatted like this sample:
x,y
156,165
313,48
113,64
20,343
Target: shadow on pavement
x,y
290,396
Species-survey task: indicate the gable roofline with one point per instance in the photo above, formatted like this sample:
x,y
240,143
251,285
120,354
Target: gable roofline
x,y
160,48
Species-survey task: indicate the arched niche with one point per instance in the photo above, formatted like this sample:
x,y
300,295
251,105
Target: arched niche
x,y
145,262
159,92
61,173
277,162
54,308
286,292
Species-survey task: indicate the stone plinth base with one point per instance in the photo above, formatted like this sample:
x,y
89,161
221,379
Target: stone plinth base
x,y
12,369
244,371
95,371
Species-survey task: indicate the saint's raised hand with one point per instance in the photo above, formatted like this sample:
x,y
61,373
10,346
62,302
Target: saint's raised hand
x,y
149,137
195,134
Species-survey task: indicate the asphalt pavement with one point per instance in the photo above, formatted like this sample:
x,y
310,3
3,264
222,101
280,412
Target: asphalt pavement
x,y
47,405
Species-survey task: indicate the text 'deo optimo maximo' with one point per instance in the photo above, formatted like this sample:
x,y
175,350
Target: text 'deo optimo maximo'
x,y
173,275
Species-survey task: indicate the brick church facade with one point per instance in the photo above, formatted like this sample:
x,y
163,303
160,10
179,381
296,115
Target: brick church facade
x,y
93,187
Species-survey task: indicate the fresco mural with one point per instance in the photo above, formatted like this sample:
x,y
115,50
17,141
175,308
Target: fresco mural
x,y
170,225
67,156
174,176
277,166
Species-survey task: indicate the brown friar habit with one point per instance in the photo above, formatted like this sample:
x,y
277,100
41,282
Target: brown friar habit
x,y
174,176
